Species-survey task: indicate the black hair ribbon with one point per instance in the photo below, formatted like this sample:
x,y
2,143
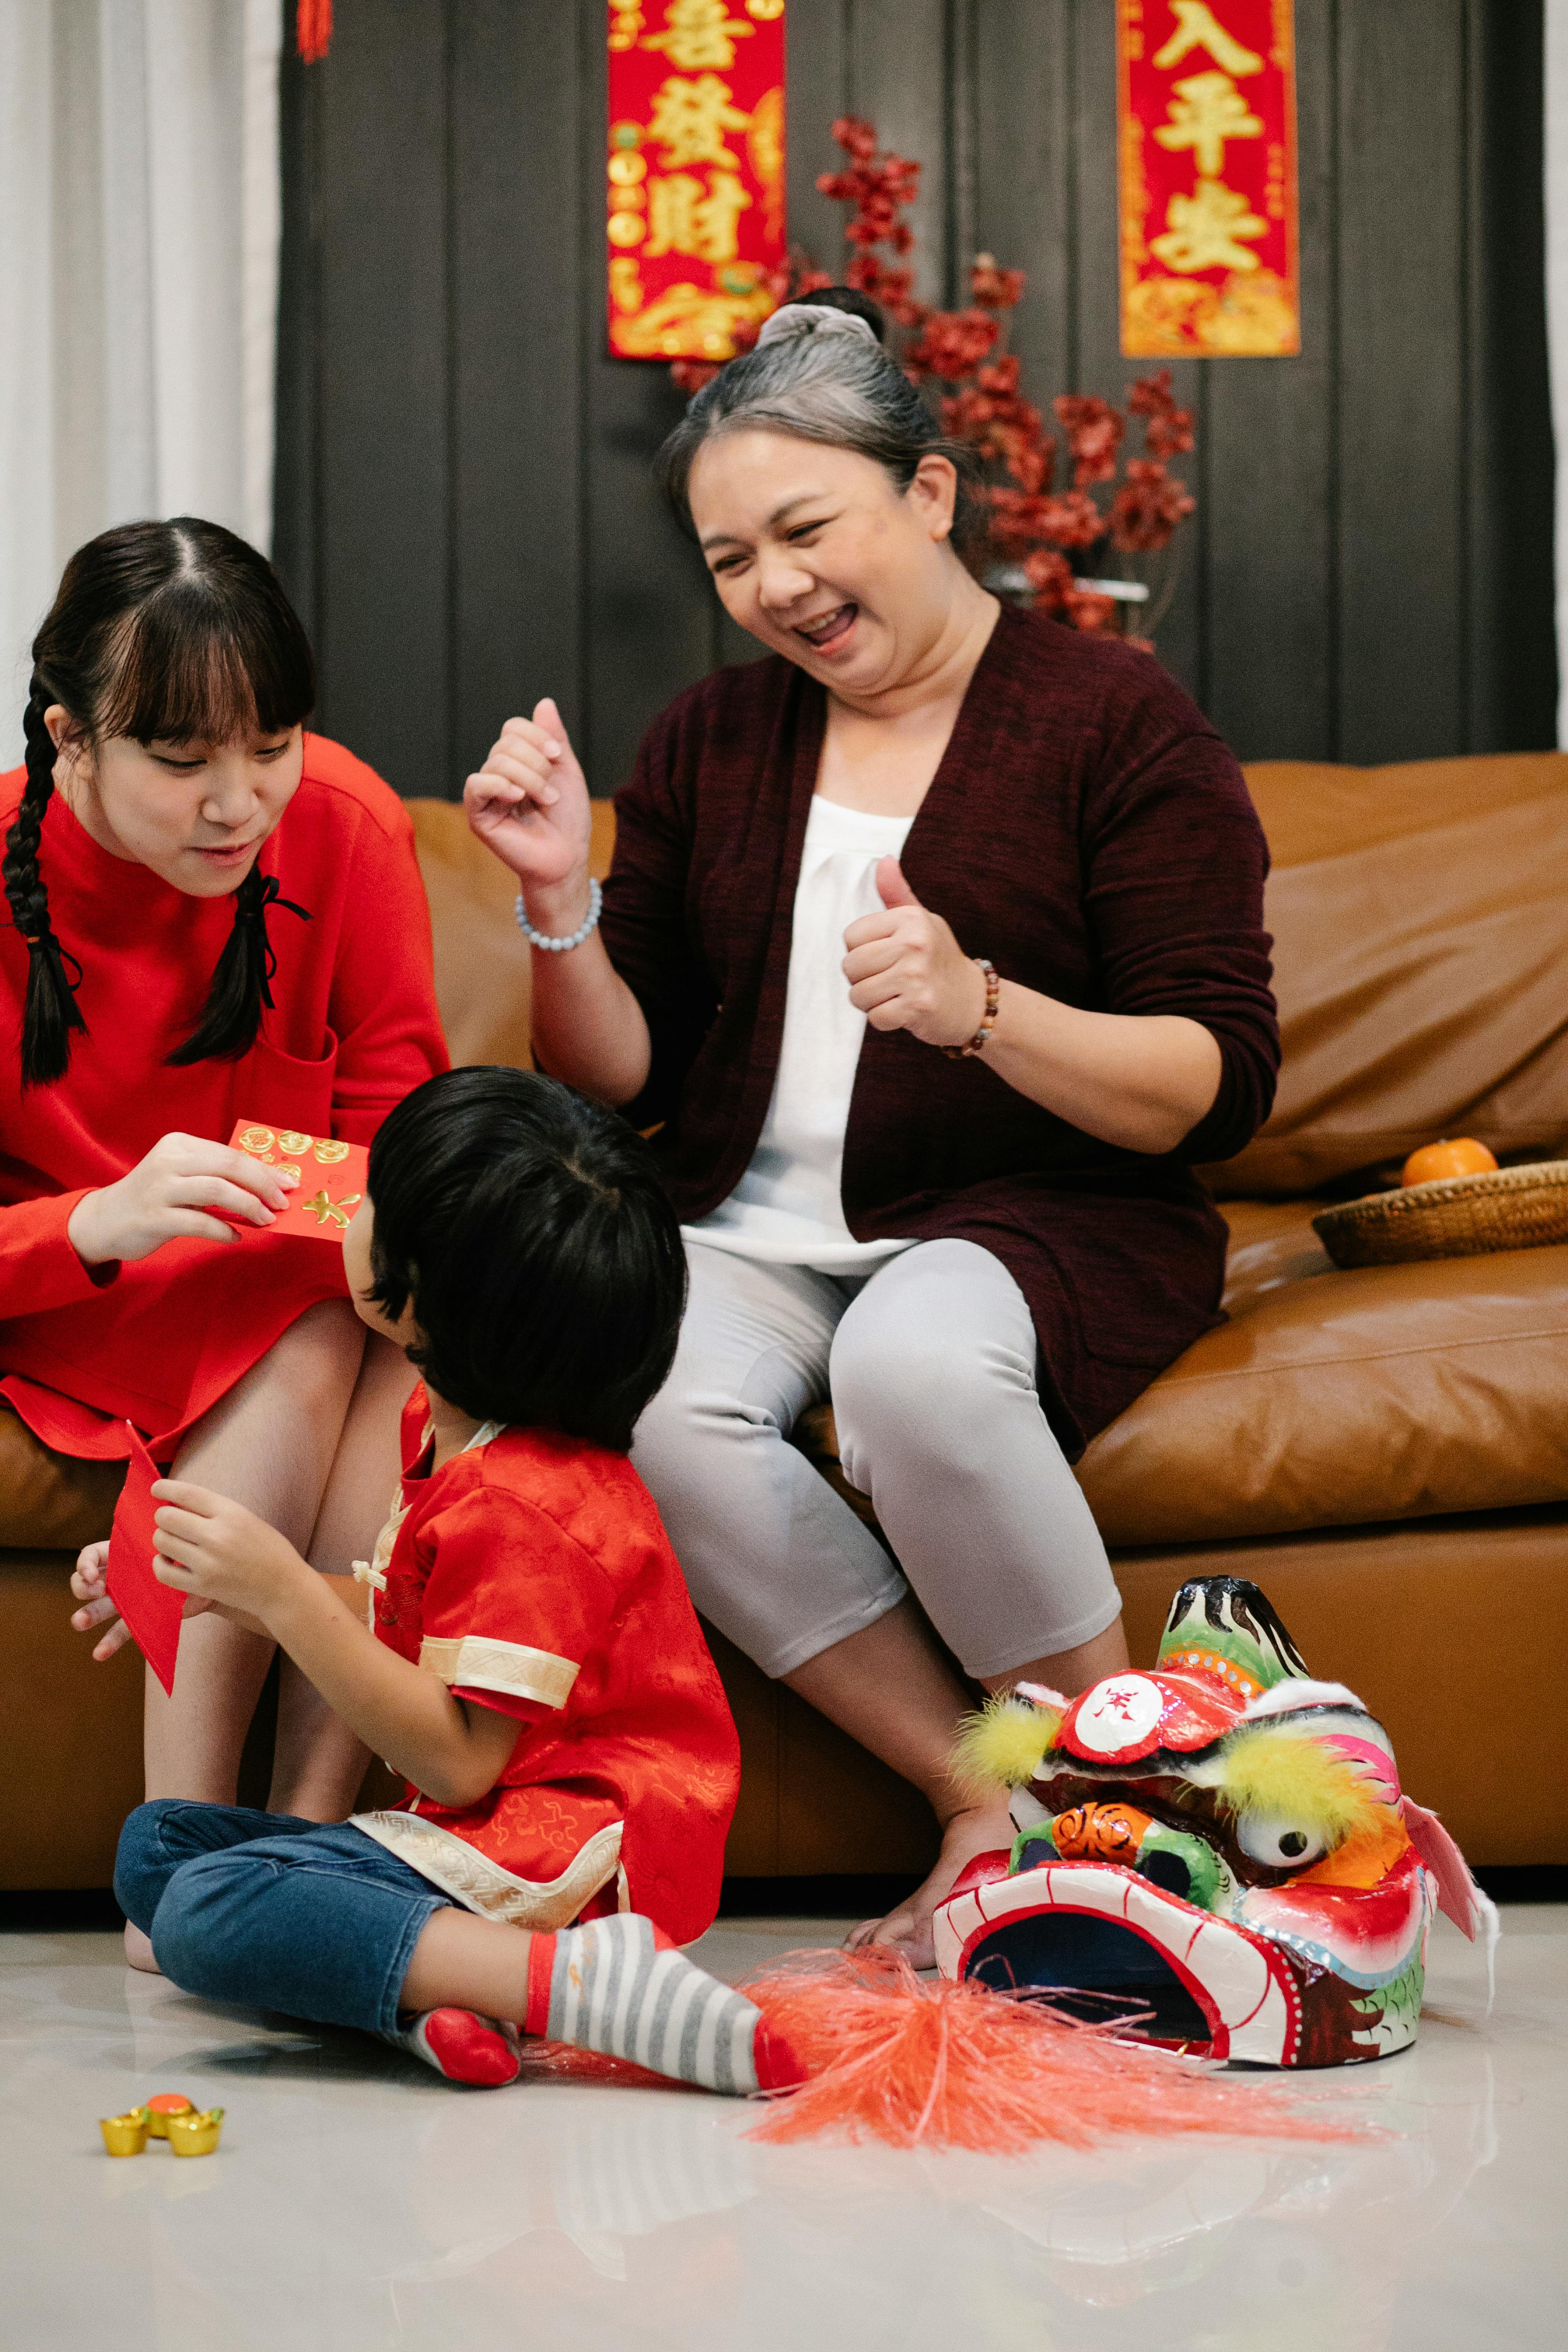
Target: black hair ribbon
x,y
250,908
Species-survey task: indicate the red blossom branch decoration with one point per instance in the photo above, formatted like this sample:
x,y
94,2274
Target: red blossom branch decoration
x,y
1033,525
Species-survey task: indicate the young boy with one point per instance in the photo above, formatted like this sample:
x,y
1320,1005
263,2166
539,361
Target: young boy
x,y
532,1663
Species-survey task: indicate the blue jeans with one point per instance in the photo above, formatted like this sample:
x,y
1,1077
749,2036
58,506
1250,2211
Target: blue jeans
x,y
314,1919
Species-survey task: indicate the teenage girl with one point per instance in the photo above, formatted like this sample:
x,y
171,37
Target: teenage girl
x,y
214,917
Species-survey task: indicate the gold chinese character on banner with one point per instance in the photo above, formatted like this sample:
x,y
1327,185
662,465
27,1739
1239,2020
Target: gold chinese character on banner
x,y
1197,27
1206,111
699,32
1203,228
686,217
689,119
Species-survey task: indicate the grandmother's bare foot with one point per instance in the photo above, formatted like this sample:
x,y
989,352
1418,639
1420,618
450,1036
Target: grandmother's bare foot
x,y
975,1829
139,1951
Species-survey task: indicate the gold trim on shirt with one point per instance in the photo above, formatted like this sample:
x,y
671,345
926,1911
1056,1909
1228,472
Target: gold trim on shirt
x,y
511,1666
480,1885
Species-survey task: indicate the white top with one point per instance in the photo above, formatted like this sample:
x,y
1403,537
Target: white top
x,y
788,1207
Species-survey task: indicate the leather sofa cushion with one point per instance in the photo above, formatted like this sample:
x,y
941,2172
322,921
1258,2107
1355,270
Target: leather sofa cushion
x,y
1420,920
1333,1400
51,1502
1339,1399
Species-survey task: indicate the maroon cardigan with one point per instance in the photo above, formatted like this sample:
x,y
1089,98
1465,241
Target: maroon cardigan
x,y
1087,830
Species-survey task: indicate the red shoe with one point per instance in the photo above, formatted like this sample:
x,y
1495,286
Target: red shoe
x,y
466,2047
778,2068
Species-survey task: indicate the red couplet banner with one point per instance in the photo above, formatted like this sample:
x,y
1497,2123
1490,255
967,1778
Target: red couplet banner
x,y
1207,114
696,173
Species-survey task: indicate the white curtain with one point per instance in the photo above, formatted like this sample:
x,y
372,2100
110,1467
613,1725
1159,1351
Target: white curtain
x,y
1557,313
139,219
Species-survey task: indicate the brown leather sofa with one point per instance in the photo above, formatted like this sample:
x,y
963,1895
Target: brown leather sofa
x,y
1386,1452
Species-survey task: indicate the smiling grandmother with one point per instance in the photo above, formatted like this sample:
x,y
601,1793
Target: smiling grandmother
x,y
934,942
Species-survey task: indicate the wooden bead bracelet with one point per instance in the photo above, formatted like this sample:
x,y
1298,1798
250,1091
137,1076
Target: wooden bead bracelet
x,y
993,1002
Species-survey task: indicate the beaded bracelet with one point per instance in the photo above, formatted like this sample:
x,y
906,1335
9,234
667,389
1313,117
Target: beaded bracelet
x,y
992,1003
573,938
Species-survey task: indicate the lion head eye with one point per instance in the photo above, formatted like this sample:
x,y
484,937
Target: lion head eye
x,y
1278,1845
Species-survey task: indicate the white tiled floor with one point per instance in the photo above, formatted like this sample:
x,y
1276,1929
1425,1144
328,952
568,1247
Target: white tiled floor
x,y
359,2205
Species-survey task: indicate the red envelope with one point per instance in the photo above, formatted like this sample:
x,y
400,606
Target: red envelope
x,y
332,1178
152,1611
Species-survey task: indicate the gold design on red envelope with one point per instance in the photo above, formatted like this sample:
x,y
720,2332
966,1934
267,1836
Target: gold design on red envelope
x,y
327,1212
341,1169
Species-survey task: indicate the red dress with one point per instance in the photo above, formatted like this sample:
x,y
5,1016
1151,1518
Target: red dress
x,y
353,1027
532,1574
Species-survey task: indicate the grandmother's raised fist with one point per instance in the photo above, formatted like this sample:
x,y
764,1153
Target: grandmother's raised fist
x,y
528,802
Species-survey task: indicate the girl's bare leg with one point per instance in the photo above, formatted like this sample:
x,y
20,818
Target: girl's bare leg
x,y
318,1762
269,1444
890,1687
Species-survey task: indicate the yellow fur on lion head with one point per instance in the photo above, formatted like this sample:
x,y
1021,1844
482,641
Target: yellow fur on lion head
x,y
1290,1776
1005,1742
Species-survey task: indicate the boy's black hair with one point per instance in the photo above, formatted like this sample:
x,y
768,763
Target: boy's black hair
x,y
529,1230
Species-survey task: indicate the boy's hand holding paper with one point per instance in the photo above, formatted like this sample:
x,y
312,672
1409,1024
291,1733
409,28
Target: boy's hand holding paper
x,y
226,1556
177,1550
151,1610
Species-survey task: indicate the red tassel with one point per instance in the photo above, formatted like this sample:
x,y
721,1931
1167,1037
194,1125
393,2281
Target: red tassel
x,y
313,30
920,2062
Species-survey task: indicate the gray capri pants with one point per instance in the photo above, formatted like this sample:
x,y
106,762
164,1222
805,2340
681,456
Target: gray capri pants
x,y
930,1364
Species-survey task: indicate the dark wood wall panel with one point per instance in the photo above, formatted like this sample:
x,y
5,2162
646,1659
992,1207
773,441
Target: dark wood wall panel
x,y
1026,180
1402,491
1509,619
465,507
1270,453
519,351
384,547
899,64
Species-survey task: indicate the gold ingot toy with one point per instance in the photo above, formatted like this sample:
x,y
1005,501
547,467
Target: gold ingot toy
x,y
164,2104
195,2134
125,2135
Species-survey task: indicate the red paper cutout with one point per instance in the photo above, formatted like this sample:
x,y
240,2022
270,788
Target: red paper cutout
x,y
152,1611
332,1178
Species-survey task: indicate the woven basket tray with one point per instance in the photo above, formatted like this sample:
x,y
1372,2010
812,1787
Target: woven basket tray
x,y
1460,1216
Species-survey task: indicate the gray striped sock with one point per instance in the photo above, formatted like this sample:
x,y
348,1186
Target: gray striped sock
x,y
613,1990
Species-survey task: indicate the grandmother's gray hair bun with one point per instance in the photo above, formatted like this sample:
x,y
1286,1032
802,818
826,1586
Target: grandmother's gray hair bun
x,y
798,319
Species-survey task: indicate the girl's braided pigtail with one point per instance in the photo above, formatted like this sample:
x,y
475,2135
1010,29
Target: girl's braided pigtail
x,y
51,1011
242,983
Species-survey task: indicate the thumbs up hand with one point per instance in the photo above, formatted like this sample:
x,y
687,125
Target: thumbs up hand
x,y
906,971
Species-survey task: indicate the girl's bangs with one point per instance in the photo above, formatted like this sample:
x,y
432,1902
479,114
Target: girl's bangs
x,y
189,667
